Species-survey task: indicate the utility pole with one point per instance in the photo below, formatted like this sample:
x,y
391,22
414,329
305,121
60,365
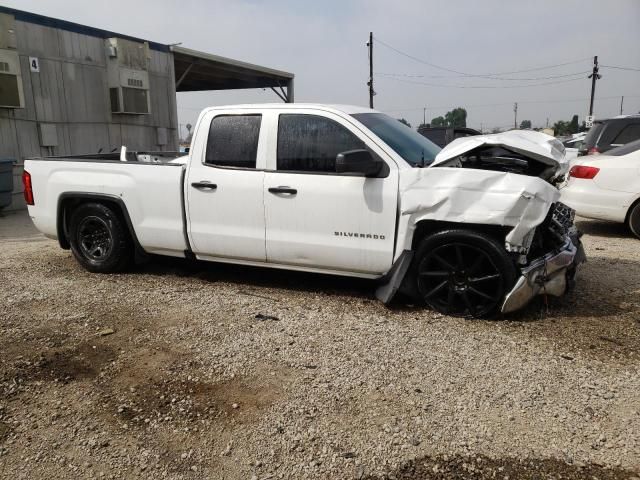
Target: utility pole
x,y
424,116
515,115
621,102
594,76
547,122
370,82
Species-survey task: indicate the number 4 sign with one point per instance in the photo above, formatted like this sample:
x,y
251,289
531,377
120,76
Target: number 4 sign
x,y
34,64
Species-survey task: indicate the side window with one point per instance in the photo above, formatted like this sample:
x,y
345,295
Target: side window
x,y
310,143
628,134
233,141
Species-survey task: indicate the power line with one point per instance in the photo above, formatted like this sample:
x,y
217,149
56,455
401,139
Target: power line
x,y
483,75
409,75
503,104
621,68
481,86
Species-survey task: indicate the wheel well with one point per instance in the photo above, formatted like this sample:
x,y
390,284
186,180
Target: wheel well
x,y
68,204
427,227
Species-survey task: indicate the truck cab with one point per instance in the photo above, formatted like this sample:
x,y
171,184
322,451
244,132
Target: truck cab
x,y
266,185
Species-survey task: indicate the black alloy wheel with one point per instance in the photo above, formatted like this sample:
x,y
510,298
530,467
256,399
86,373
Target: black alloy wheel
x,y
463,273
99,238
94,238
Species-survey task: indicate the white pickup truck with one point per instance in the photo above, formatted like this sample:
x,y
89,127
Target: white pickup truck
x,y
470,230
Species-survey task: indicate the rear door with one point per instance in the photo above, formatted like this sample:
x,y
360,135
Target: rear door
x,y
224,187
316,217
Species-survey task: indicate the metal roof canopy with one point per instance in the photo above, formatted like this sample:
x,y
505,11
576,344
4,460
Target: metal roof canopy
x,y
198,71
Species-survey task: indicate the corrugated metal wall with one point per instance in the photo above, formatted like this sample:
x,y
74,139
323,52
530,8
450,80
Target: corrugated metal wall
x,y
71,92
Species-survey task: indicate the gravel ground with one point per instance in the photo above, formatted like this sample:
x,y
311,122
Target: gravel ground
x,y
190,370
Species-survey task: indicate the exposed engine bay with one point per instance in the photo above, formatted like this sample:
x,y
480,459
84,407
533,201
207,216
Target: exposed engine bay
x,y
500,159
521,152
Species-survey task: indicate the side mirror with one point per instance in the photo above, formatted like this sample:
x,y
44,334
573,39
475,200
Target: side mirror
x,y
358,161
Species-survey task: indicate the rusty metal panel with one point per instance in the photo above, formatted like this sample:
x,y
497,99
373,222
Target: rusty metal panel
x,y
130,54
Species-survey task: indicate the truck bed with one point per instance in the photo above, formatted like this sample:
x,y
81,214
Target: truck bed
x,y
150,191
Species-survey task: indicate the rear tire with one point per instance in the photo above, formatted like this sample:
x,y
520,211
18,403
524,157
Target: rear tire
x,y
633,220
99,240
462,273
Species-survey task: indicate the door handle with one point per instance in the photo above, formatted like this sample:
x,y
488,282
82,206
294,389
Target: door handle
x,y
204,185
286,190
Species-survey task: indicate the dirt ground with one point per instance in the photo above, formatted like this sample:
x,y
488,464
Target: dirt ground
x,y
188,370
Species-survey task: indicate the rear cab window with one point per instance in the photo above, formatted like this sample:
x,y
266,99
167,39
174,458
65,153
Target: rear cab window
x,y
233,141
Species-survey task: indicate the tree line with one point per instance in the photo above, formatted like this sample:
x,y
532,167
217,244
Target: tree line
x,y
458,118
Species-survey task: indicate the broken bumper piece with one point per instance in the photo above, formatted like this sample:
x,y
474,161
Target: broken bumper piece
x,y
552,274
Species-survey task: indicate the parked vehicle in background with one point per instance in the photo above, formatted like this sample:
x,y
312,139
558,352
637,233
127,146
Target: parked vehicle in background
x,y
471,230
611,133
442,136
573,144
607,187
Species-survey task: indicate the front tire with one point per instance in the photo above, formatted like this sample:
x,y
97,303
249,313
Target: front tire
x,y
99,239
633,220
462,273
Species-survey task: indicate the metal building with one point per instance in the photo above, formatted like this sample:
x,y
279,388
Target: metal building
x,y
67,88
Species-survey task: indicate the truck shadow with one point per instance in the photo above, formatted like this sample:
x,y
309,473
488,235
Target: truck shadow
x,y
605,286
263,277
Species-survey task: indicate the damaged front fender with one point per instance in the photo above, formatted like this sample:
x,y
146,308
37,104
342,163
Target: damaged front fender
x,y
476,196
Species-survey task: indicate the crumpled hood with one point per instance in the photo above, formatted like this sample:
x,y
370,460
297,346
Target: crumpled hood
x,y
534,145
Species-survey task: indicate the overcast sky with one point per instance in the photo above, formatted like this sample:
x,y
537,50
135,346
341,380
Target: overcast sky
x,y
323,44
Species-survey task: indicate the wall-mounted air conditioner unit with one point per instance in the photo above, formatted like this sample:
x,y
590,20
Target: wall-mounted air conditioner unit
x,y
127,66
11,94
131,93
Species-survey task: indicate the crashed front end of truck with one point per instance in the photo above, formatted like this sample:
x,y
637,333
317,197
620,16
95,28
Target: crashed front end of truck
x,y
549,264
507,180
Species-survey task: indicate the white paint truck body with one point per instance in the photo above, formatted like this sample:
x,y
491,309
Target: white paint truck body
x,y
262,185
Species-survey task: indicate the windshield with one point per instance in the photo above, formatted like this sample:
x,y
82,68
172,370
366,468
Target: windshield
x,y
415,149
592,136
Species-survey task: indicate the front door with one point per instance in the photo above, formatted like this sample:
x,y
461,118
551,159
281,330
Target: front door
x,y
318,218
